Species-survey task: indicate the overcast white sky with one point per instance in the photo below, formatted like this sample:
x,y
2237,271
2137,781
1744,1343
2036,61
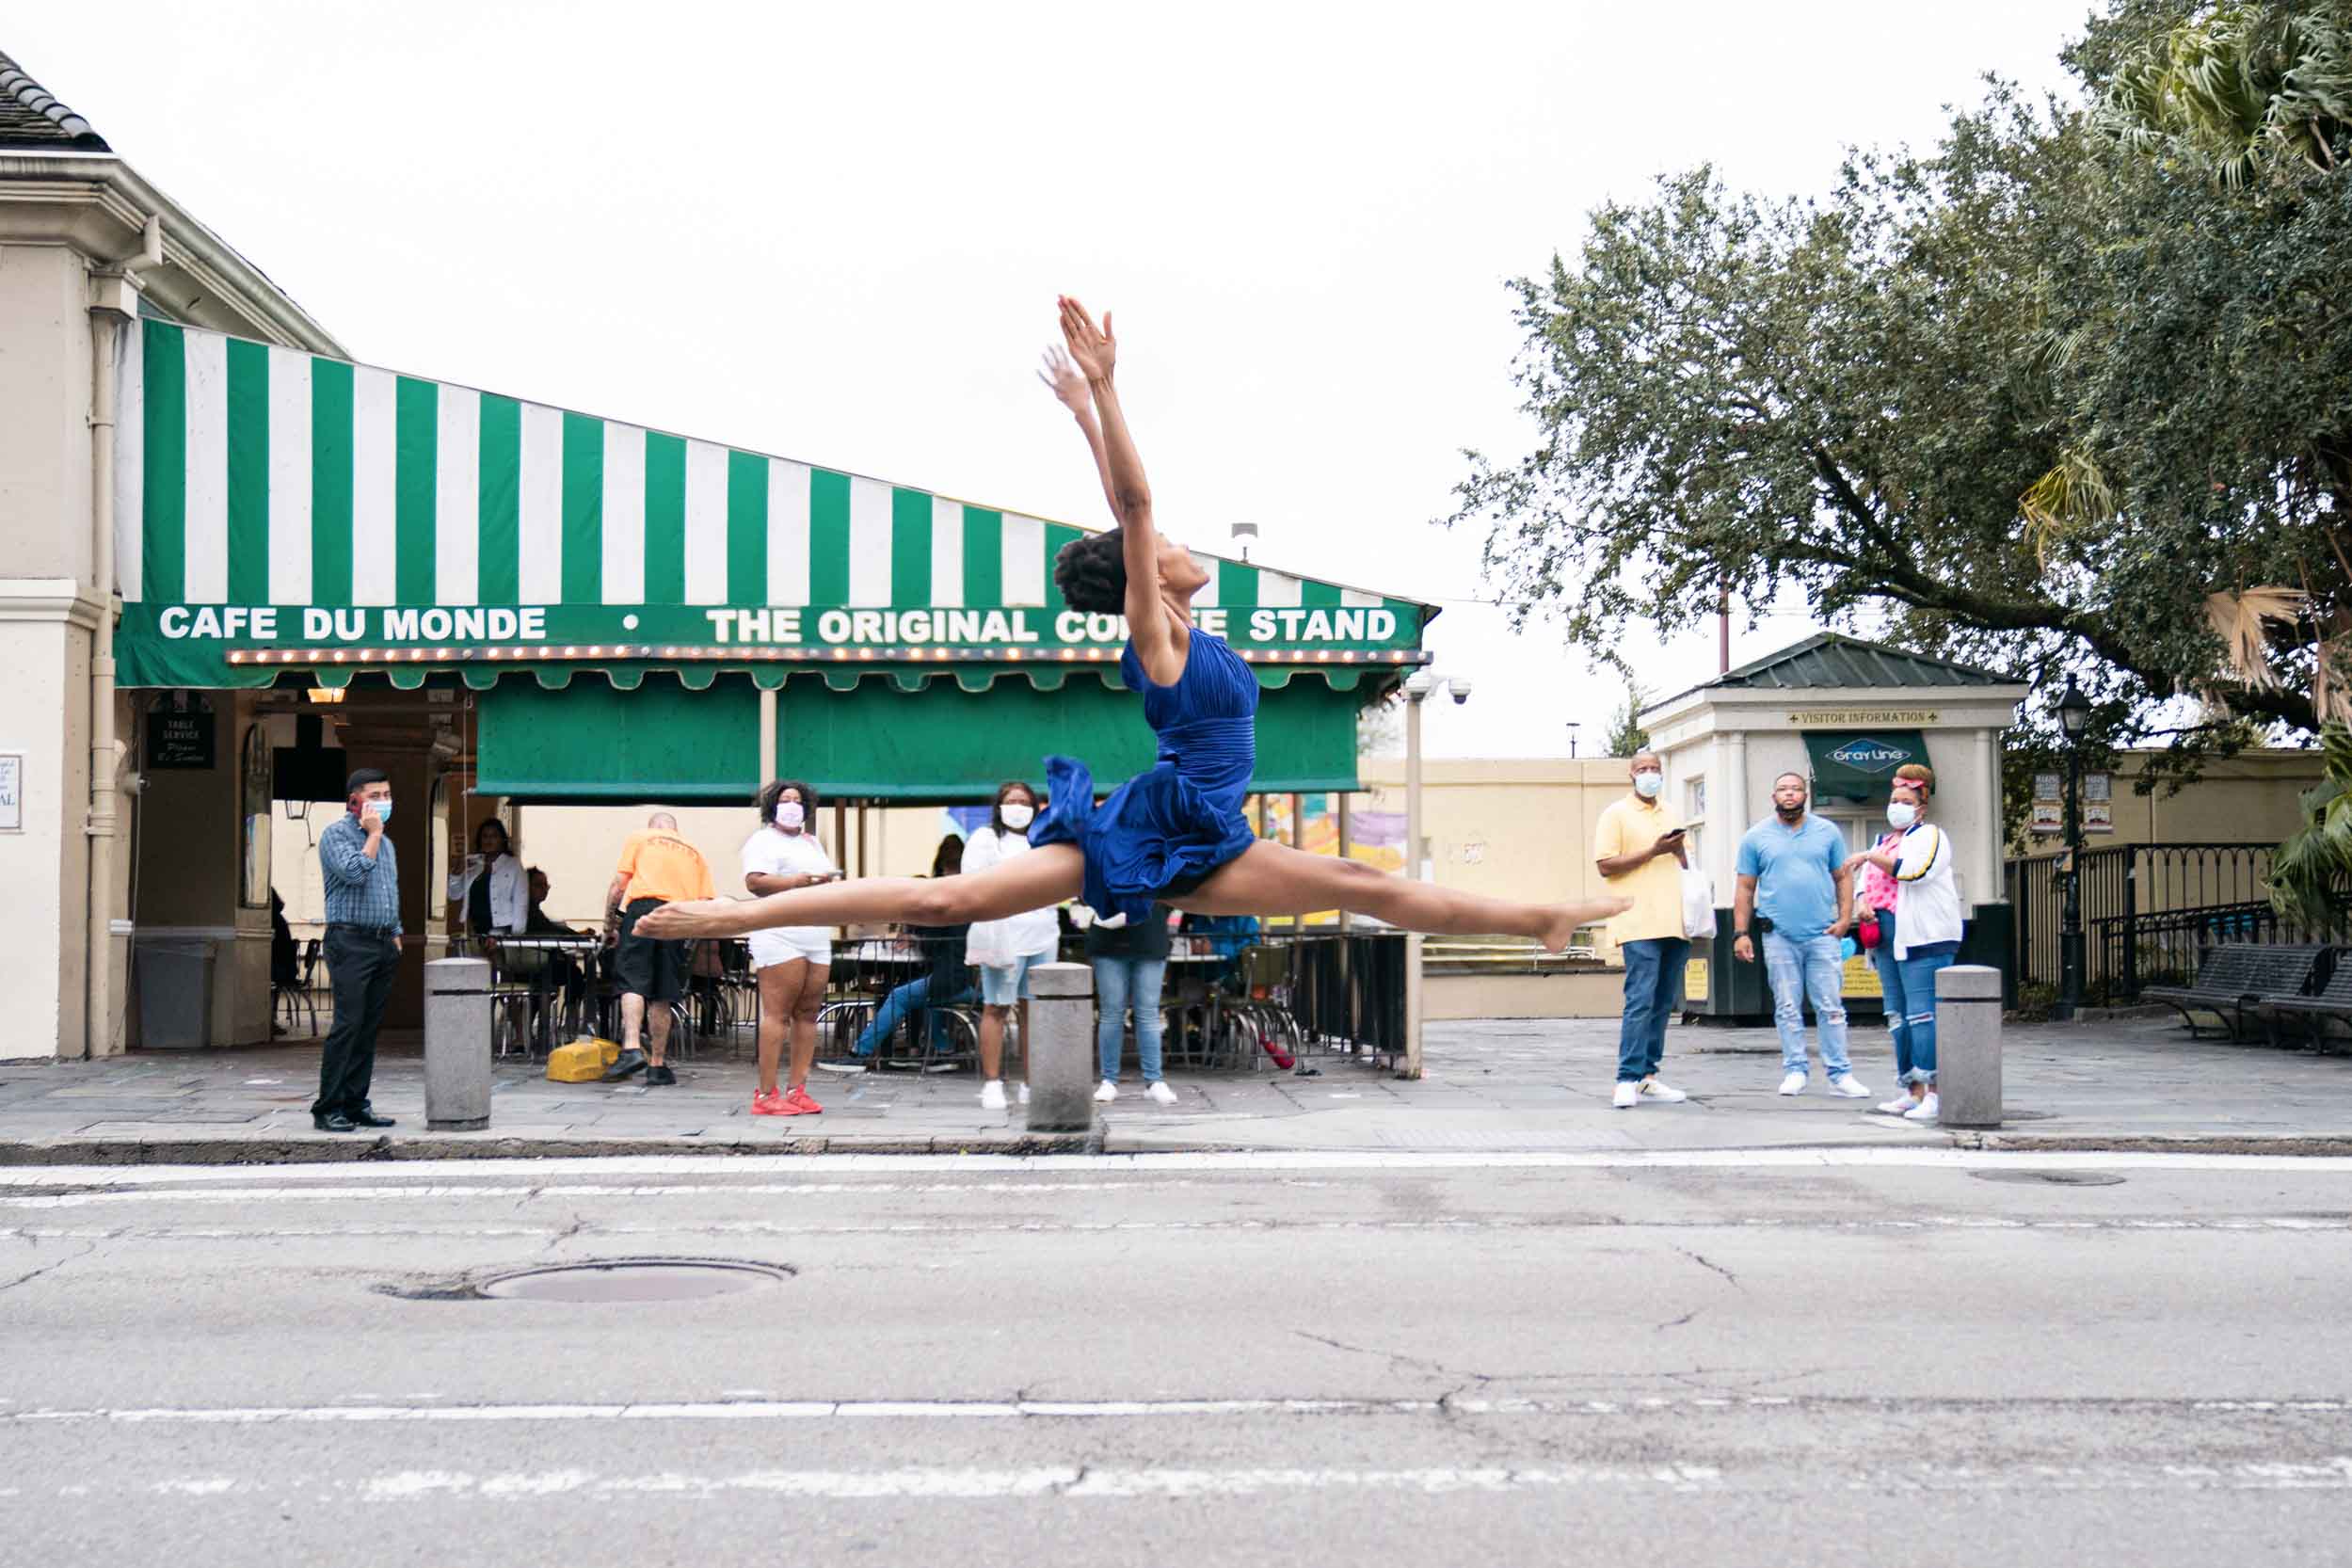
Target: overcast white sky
x,y
836,233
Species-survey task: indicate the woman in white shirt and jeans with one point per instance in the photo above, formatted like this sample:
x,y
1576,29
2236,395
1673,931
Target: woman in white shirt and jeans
x,y
790,962
1926,935
1005,948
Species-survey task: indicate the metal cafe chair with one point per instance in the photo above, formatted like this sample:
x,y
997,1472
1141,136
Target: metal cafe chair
x,y
511,1010
1260,1017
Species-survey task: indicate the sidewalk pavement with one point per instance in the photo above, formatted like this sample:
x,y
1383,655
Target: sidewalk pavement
x,y
1491,1087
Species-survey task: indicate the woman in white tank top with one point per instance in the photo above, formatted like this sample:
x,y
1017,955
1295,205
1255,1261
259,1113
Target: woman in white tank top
x,y
790,962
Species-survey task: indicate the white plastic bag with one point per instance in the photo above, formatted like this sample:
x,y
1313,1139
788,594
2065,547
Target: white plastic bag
x,y
1698,905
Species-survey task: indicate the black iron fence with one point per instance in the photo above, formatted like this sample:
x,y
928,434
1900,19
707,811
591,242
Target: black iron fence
x,y
2148,912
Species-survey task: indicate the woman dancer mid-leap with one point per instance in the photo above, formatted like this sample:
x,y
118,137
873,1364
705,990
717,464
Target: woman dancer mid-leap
x,y
1173,833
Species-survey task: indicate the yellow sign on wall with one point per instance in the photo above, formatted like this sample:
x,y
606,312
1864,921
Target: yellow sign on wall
x,y
1821,718
1694,979
1861,978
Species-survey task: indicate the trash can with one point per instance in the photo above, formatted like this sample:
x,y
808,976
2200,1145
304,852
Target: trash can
x,y
175,982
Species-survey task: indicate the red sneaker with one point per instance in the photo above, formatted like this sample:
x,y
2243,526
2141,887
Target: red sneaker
x,y
770,1104
796,1097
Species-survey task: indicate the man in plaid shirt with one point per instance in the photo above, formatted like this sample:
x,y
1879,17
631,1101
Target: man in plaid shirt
x,y
362,949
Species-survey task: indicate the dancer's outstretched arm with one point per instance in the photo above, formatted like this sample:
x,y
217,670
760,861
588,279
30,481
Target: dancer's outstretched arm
x,y
1038,880
1274,879
1149,626
1061,376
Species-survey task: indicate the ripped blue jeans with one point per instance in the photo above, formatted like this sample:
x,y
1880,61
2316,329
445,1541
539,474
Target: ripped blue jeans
x,y
1909,987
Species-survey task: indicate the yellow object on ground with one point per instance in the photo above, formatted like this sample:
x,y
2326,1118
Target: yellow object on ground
x,y
582,1061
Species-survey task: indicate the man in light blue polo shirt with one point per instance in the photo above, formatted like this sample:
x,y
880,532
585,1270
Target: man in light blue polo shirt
x,y
1792,873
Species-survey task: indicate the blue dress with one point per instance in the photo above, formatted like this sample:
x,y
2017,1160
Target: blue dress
x,y
1163,832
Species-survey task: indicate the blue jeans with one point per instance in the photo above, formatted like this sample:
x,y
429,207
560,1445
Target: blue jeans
x,y
908,998
1653,992
1119,985
1918,976
1910,986
1808,969
1890,994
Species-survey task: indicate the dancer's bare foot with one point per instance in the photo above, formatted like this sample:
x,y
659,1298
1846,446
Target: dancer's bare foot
x,y
1566,918
714,917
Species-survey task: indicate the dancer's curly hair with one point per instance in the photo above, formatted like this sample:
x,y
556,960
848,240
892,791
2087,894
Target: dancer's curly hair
x,y
1091,571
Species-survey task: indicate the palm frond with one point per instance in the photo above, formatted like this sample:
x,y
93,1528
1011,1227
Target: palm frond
x,y
2237,620
2075,494
2240,91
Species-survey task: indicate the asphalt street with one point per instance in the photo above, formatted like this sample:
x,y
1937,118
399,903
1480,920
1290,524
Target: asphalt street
x,y
1864,1356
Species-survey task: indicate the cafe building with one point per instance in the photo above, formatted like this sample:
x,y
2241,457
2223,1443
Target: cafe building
x,y
245,565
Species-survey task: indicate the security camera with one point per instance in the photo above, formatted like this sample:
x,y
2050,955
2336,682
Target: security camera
x,y
1459,686
1418,684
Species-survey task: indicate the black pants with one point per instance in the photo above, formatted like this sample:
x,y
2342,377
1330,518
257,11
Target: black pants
x,y
361,968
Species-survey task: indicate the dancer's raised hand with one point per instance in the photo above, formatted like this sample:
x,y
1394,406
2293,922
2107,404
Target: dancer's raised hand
x,y
1095,349
1062,380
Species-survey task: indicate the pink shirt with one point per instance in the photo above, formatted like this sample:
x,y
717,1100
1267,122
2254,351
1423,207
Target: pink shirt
x,y
1877,889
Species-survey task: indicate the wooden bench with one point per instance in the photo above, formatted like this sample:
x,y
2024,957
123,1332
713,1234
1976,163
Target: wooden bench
x,y
2237,978
2310,1016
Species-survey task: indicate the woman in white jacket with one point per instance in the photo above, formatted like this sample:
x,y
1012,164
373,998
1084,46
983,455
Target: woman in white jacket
x,y
490,886
1926,929
1005,948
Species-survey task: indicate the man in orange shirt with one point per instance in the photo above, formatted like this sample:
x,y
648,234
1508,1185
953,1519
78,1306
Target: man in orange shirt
x,y
657,866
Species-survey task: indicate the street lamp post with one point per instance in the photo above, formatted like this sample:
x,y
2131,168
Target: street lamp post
x,y
1418,688
2073,717
1572,740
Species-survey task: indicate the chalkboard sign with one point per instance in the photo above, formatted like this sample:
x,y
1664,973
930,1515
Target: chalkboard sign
x,y
180,733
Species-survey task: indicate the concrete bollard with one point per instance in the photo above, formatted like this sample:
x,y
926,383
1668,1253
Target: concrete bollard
x,y
458,1045
1061,1047
1968,1045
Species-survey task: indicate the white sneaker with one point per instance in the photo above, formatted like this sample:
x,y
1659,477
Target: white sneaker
x,y
1162,1093
1846,1086
1108,1092
1627,1094
1024,1093
1794,1084
992,1095
1899,1106
1664,1095
1925,1110
847,1069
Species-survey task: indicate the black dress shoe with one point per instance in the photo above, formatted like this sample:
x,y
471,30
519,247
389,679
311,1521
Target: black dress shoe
x,y
662,1075
628,1064
334,1120
365,1118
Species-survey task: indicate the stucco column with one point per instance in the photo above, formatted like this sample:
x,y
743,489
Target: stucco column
x,y
1735,805
1988,888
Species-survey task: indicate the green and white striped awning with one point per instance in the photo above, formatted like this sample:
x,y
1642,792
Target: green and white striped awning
x,y
283,511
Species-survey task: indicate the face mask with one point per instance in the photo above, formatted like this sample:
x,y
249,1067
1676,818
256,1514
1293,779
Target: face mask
x,y
1018,816
381,808
789,816
1647,785
1900,815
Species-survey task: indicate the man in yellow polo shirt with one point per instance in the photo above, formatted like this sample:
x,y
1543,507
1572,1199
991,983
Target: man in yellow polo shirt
x,y
1639,848
657,866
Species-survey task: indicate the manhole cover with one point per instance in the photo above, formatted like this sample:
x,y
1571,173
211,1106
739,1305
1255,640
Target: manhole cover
x,y
2055,1178
635,1279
